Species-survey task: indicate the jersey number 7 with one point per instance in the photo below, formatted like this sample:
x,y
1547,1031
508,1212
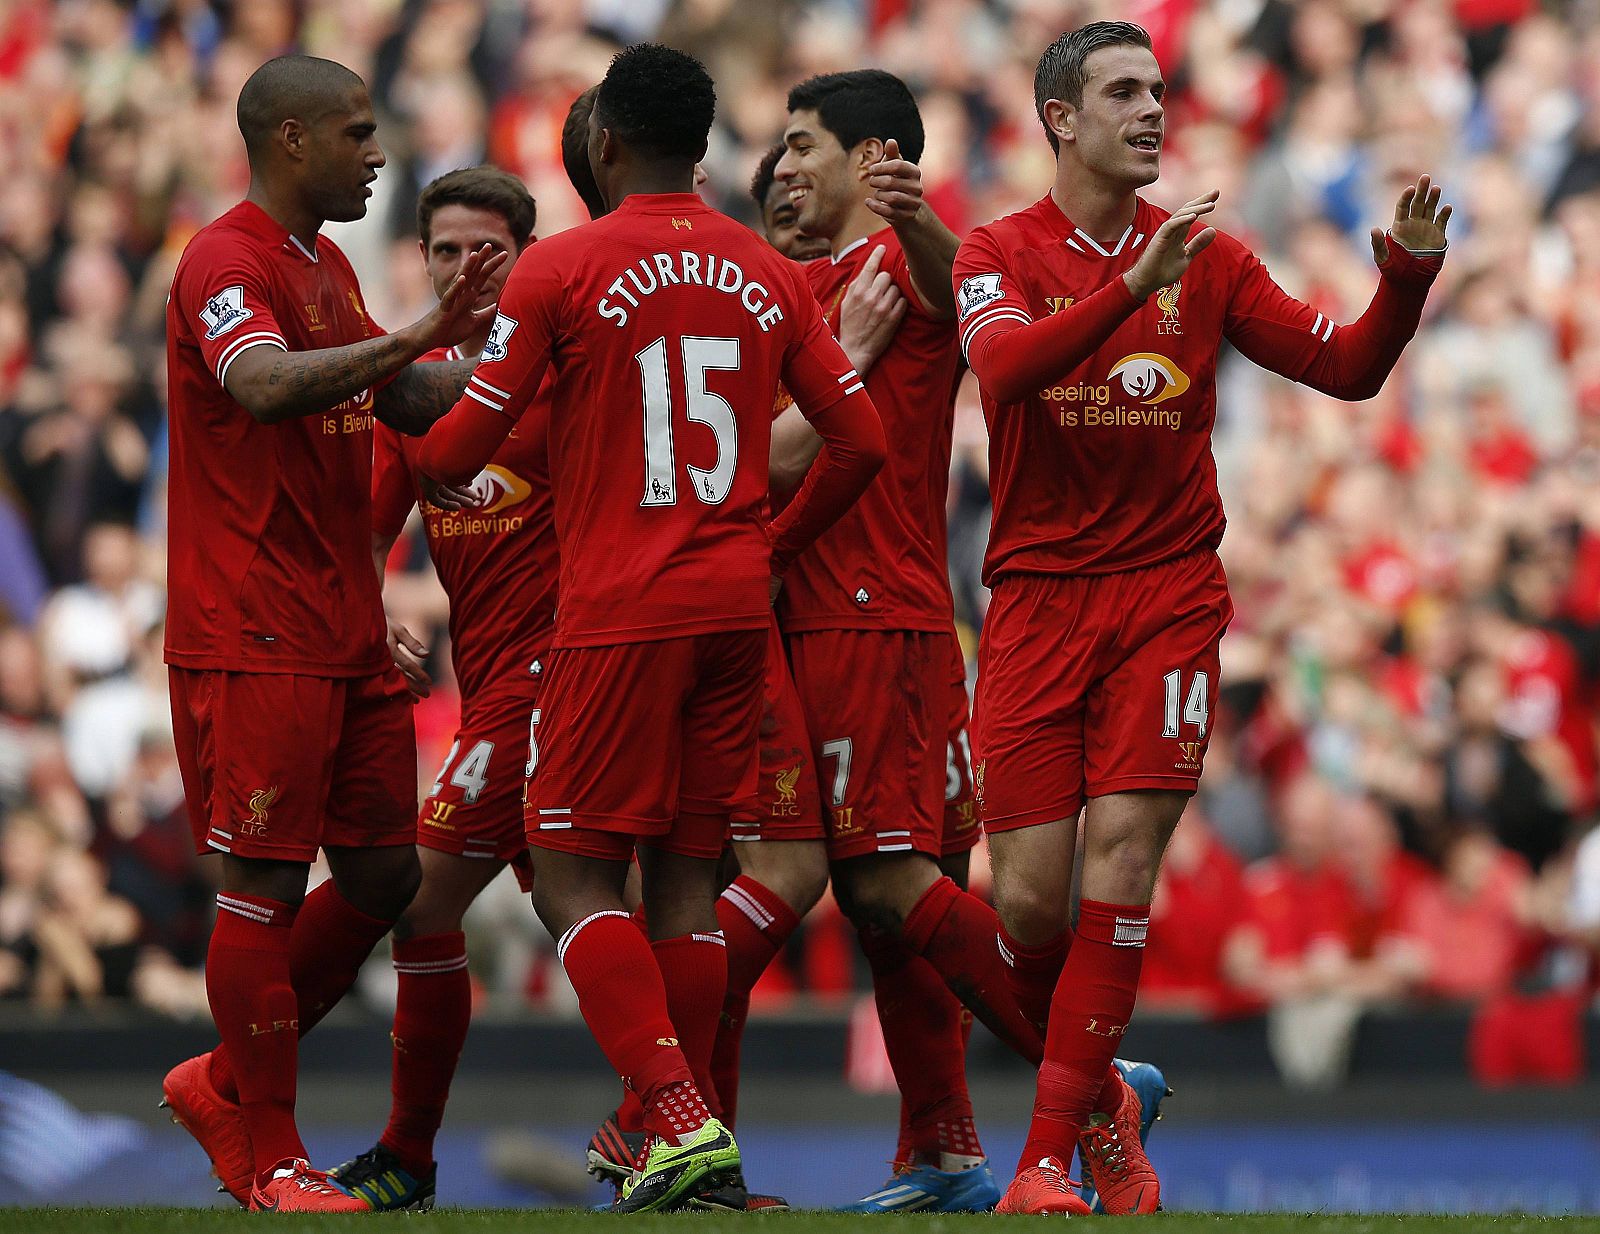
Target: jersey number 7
x,y
701,406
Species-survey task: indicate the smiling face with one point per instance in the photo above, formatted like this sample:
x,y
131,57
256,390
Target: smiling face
x,y
1116,134
342,157
456,230
822,178
781,223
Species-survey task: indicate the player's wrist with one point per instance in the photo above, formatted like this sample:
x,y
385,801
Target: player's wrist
x,y
1135,286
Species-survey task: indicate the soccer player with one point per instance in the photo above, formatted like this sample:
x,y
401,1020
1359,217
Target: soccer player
x,y
651,699
496,559
1093,322
293,728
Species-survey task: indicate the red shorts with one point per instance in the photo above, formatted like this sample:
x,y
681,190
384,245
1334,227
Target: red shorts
x,y
1089,685
277,765
647,742
877,706
788,807
474,808
961,830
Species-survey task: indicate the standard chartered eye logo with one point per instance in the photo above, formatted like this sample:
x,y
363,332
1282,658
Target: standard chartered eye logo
x,y
1149,377
499,488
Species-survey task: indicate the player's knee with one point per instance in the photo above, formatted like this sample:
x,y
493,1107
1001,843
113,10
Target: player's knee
x,y
1031,913
868,902
1124,867
383,883
795,872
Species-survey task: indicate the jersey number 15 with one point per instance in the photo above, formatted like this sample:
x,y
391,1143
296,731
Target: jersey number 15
x,y
700,355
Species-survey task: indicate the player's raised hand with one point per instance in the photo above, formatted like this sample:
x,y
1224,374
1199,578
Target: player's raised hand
x,y
455,319
870,312
1419,221
896,185
1167,256
408,653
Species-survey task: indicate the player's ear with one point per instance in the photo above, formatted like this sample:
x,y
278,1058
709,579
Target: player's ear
x,y
1059,117
870,151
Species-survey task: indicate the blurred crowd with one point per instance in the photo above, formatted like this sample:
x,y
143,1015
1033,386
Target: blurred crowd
x,y
1399,790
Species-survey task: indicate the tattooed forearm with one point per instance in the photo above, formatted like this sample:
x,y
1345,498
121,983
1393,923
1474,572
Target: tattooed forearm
x,y
421,394
275,385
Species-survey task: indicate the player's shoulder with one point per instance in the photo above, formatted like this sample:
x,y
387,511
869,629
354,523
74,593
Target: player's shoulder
x,y
233,236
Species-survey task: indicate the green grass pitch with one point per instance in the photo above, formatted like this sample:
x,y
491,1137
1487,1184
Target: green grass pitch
x,y
568,1221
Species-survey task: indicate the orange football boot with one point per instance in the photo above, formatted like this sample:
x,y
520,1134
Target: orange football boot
x,y
215,1123
1043,1188
1110,1151
292,1186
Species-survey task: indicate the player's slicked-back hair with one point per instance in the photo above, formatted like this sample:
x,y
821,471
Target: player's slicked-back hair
x,y
658,100
860,104
304,88
766,176
575,152
1061,73
482,188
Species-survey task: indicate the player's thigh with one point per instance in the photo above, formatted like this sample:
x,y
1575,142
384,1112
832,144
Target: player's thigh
x,y
876,706
961,828
1125,835
788,807
1031,871
609,743
1149,719
256,754
372,799
450,884
474,805
720,745
1036,659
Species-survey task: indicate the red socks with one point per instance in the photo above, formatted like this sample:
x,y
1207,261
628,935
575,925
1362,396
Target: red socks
x,y
1033,973
431,1015
923,1035
955,932
624,1001
756,922
253,1003
694,969
331,940
1092,1004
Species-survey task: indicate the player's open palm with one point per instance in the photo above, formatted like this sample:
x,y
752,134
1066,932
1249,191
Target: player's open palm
x,y
1166,258
455,319
1419,221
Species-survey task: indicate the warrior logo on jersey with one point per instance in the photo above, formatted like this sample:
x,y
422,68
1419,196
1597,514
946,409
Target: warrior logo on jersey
x,y
499,335
1149,377
1167,302
224,311
976,291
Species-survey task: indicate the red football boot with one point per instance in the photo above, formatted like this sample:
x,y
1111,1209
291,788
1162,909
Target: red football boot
x,y
215,1123
292,1186
1110,1150
1043,1188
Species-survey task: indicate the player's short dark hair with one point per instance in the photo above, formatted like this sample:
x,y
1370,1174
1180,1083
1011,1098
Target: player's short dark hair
x,y
1061,73
657,99
483,188
304,88
860,104
766,176
575,152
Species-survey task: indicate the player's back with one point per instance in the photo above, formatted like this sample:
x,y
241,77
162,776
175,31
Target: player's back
x,y
669,327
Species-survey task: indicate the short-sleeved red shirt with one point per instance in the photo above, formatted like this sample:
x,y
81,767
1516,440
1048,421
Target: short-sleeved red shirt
x,y
1110,467
669,327
269,545
497,562
883,565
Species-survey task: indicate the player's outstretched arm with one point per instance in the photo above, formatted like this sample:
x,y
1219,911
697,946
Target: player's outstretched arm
x,y
1350,362
421,393
275,385
930,247
1012,355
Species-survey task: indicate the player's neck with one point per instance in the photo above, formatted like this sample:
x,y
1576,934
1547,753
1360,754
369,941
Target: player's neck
x,y
860,224
642,180
291,215
1099,208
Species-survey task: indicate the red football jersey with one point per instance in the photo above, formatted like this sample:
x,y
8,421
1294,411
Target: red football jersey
x,y
497,562
269,529
883,565
1110,468
669,327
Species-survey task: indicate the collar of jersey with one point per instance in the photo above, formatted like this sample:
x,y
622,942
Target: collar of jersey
x,y
660,203
1049,204
836,258
255,219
